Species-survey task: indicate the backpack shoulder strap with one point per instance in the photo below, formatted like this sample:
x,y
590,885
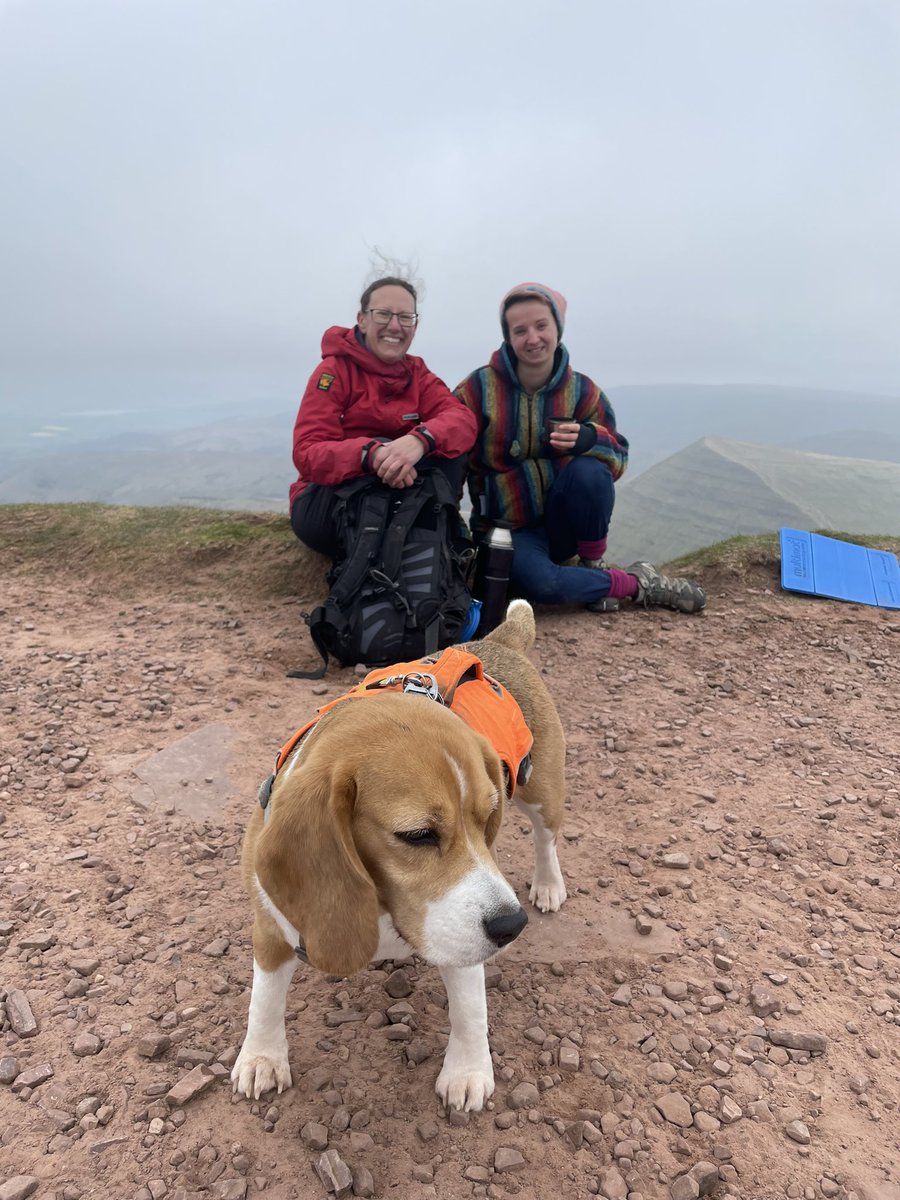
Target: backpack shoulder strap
x,y
373,516
361,556
413,501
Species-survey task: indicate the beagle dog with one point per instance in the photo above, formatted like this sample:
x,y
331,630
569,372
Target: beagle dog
x,y
377,842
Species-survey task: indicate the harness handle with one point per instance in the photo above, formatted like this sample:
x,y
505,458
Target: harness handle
x,y
415,683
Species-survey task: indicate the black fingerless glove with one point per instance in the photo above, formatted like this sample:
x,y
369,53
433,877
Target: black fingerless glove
x,y
587,439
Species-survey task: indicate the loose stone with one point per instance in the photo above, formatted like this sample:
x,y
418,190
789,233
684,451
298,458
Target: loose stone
x,y
814,1043
524,1095
19,1187
191,1085
507,1158
334,1173
675,1109
685,1188
18,1012
797,1132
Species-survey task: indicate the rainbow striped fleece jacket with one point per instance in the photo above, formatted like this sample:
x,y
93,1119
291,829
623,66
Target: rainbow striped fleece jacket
x,y
511,465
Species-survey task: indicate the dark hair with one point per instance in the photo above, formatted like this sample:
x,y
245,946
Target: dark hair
x,y
388,281
522,298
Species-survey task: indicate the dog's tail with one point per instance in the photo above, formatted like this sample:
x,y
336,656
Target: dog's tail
x,y
518,629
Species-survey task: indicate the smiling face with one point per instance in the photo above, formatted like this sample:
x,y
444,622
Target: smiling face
x,y
391,341
532,333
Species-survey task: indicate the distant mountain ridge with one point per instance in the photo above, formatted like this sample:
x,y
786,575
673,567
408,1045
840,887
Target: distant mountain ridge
x,y
659,420
662,419
852,443
719,487
231,479
703,480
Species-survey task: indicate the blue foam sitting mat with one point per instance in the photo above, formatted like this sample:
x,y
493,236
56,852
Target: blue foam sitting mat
x,y
824,566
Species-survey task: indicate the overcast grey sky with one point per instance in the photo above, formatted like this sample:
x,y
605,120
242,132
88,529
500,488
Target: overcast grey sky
x,y
713,184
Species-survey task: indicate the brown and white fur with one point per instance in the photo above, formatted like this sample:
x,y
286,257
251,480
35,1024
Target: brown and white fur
x,y
380,843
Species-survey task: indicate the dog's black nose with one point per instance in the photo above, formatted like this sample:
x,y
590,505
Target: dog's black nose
x,y
506,928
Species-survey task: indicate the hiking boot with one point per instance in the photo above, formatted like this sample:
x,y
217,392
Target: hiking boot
x,y
604,604
659,591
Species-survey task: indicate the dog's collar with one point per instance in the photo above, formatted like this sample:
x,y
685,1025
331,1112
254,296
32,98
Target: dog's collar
x,y
264,794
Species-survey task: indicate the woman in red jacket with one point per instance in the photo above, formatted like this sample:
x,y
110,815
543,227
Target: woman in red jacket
x,y
372,408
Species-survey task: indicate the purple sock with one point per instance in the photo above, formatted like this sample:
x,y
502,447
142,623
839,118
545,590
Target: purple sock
x,y
621,584
592,551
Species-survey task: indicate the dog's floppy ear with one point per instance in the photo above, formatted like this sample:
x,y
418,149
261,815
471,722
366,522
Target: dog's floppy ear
x,y
308,864
497,773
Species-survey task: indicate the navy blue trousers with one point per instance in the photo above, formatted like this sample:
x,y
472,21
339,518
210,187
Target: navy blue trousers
x,y
577,508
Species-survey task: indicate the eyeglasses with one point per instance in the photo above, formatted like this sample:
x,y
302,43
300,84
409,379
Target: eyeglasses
x,y
382,316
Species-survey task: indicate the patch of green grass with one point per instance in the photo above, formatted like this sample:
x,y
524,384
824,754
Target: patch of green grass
x,y
147,548
755,548
742,554
45,528
191,551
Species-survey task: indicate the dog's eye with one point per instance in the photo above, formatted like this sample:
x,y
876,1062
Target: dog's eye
x,y
419,837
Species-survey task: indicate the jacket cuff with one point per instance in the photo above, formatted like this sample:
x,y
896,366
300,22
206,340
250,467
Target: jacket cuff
x,y
424,434
587,439
367,449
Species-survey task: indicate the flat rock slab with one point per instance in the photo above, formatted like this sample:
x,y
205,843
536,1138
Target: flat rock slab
x,y
567,937
191,774
618,931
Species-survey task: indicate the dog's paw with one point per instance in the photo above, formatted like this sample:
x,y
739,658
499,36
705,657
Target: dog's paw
x,y
467,1089
254,1074
548,895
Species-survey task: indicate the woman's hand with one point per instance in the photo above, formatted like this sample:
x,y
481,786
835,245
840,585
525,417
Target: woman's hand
x,y
564,436
395,462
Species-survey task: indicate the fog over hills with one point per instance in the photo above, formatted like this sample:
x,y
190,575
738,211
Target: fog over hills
x,y
852,443
719,487
230,479
212,411
663,419
714,486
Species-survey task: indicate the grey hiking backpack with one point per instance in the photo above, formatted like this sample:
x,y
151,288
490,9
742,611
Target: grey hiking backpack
x,y
399,586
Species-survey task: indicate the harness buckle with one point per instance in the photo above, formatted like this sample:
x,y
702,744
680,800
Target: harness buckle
x,y
415,683
422,683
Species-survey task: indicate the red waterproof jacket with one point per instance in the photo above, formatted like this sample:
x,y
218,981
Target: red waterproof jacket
x,y
353,399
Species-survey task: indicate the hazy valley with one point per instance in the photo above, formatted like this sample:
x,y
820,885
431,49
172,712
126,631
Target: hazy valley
x,y
706,461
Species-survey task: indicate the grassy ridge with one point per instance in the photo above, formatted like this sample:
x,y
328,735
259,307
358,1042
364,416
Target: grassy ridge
x,y
762,549
178,550
191,551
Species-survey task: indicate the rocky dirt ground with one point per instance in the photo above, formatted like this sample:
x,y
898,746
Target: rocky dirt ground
x,y
715,1011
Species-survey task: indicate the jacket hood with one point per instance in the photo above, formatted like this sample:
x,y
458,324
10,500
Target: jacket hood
x,y
340,342
505,361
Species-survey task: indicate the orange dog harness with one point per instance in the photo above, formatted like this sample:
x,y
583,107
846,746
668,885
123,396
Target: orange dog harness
x,y
456,679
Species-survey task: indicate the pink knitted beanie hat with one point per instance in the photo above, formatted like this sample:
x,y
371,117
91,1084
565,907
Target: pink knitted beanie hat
x,y
524,291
